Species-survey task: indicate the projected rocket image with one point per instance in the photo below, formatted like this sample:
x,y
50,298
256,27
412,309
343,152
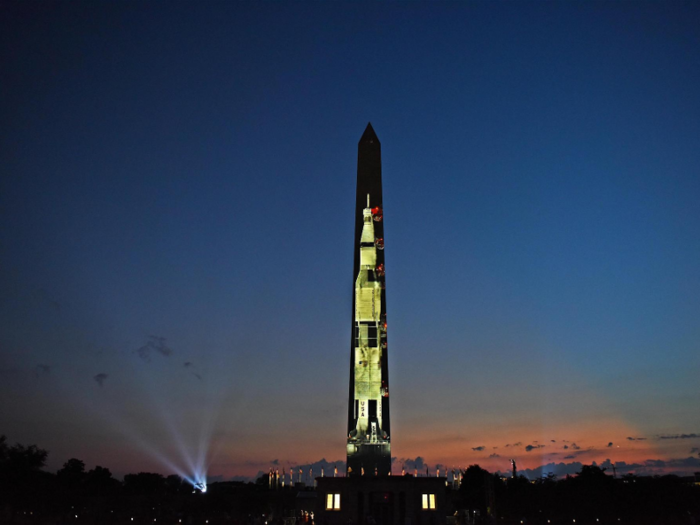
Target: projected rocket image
x,y
368,448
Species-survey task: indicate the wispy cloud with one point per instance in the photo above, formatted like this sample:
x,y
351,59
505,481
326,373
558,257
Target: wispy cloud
x,y
636,439
190,366
530,448
479,448
680,436
154,344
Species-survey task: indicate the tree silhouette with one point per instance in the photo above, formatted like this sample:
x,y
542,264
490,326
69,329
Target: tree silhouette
x,y
22,481
72,473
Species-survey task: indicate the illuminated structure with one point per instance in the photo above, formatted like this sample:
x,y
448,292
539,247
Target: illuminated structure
x,y
368,447
369,494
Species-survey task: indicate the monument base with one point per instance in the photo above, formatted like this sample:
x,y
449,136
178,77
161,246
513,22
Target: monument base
x,y
372,458
381,500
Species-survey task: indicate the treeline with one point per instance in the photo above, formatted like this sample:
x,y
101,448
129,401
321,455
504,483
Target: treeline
x,y
590,497
31,496
74,495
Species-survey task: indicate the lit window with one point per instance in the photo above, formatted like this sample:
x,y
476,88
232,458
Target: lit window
x,y
428,501
333,502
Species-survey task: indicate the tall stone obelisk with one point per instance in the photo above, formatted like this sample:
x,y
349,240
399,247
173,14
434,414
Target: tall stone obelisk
x,y
369,448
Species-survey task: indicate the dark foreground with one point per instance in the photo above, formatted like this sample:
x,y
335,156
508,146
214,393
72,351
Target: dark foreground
x,y
30,495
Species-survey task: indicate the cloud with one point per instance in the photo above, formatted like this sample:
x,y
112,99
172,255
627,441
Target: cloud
x,y
655,466
154,343
558,469
636,439
530,448
569,457
680,436
41,370
275,462
680,466
575,446
553,440
684,462
566,447
412,464
610,444
190,366
100,378
479,448
694,450
494,455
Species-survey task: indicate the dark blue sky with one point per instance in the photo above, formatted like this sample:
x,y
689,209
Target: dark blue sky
x,y
186,171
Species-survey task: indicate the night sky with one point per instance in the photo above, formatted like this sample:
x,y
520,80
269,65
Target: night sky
x,y
177,207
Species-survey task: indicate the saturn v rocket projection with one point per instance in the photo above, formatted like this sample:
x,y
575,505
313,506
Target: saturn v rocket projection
x,y
369,448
